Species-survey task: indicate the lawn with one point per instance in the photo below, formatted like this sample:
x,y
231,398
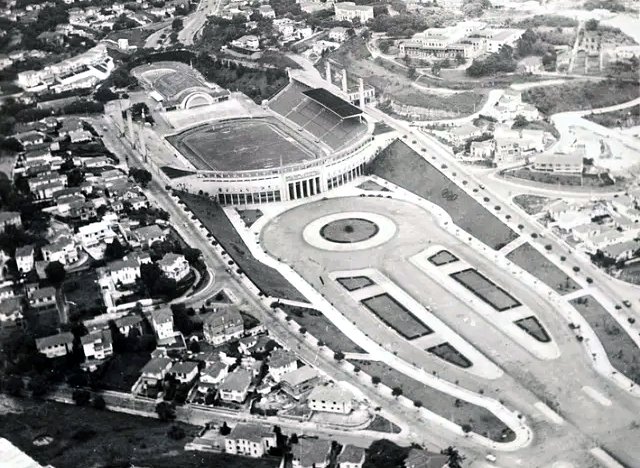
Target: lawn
x,y
88,437
268,280
485,289
443,258
355,282
450,354
620,348
322,328
531,204
402,166
532,261
534,328
83,294
396,316
249,216
173,173
580,95
381,424
575,180
470,416
122,371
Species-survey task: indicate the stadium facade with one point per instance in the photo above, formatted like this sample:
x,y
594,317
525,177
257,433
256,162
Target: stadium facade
x,y
339,129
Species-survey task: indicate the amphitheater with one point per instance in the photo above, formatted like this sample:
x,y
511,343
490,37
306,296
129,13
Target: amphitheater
x,y
307,141
177,86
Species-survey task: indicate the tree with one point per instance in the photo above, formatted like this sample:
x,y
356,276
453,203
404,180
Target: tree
x,y
98,402
411,73
39,386
417,404
114,250
191,255
225,429
455,459
141,176
55,273
165,411
338,355
591,25
396,391
385,454
375,380
14,385
177,24
176,432
81,396
293,439
519,122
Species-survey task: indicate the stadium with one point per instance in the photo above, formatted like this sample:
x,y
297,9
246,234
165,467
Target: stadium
x,y
304,141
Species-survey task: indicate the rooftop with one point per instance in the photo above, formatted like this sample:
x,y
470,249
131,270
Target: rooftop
x,y
156,365
238,381
311,452
54,340
351,454
329,393
281,357
250,432
183,367
300,375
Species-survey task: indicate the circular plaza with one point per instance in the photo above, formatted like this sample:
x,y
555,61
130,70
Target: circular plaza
x,y
348,231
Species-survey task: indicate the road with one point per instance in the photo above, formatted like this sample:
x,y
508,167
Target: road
x,y
194,22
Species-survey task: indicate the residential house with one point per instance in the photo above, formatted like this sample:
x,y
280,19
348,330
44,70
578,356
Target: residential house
x,y
459,135
57,345
122,272
11,315
481,149
211,376
80,136
63,250
223,325
622,251
266,11
94,233
311,453
351,457
330,399
248,42
184,371
10,218
129,323
235,386
299,382
560,163
97,345
249,439
162,323
29,138
24,259
338,34
154,371
281,361
174,266
418,458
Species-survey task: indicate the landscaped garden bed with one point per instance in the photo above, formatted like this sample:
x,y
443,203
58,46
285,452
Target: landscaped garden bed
x,y
211,215
404,167
531,204
250,216
321,328
622,351
485,289
396,316
355,282
532,261
447,352
533,327
442,258
469,416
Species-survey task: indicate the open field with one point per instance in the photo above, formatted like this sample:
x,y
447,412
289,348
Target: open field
x,y
322,329
122,371
485,289
391,81
404,167
467,415
580,96
396,316
83,294
88,437
268,280
239,145
622,118
574,180
620,348
532,261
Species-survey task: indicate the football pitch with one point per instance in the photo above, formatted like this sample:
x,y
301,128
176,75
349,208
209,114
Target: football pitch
x,y
239,145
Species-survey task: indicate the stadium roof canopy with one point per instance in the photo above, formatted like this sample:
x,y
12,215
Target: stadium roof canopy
x,y
335,104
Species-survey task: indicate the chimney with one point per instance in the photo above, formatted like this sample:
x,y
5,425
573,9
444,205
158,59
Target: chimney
x,y
345,88
327,71
361,90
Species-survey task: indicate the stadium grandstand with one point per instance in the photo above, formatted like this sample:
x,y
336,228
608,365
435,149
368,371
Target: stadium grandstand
x,y
327,117
178,86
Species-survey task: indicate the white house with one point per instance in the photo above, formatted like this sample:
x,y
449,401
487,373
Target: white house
x,y
212,375
97,345
184,371
560,163
235,386
222,325
9,218
351,457
174,266
94,233
251,440
348,11
63,250
281,362
24,259
331,399
154,371
55,345
162,323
